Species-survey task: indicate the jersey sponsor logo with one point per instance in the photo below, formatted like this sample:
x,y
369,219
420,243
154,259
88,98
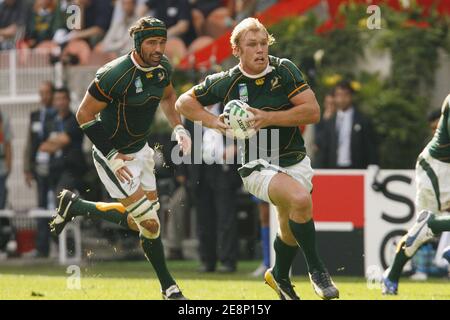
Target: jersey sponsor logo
x,y
243,92
275,83
138,85
260,81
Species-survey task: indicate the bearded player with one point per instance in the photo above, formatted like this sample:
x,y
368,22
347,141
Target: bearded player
x,y
116,114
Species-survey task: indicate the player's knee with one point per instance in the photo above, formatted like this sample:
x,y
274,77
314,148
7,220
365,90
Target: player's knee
x,y
300,216
300,202
144,214
131,223
152,227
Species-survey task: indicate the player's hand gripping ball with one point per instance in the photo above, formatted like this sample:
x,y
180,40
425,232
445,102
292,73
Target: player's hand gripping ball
x,y
236,115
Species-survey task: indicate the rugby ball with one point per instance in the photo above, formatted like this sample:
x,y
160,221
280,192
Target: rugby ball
x,y
236,115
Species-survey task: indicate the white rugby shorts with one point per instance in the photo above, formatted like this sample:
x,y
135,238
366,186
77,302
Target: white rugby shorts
x,y
142,167
257,174
432,183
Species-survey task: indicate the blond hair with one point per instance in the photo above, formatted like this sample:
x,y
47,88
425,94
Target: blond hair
x,y
248,24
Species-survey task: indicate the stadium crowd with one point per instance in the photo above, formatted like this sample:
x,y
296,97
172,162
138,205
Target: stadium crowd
x,y
101,32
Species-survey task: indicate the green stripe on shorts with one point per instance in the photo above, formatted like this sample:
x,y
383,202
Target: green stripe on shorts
x,y
138,205
109,172
244,172
433,178
148,210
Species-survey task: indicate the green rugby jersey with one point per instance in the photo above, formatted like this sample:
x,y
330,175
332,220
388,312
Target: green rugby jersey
x,y
439,146
133,94
270,92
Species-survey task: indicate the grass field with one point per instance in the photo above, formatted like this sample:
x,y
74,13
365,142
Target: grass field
x,y
135,280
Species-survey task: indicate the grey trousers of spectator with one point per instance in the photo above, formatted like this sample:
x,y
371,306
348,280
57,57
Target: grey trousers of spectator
x,y
178,205
44,185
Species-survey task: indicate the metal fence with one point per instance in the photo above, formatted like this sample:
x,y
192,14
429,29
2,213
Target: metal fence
x,y
21,71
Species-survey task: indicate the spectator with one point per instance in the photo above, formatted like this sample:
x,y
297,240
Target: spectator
x,y
210,19
349,139
117,41
215,185
118,12
202,10
5,157
178,209
172,193
6,233
177,16
329,110
37,163
97,17
65,145
262,5
45,19
244,9
12,20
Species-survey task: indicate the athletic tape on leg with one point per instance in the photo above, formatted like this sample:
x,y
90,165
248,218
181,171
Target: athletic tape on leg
x,y
144,213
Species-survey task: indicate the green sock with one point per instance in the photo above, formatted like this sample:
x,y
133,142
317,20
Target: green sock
x,y
397,267
305,234
284,256
154,252
112,212
439,223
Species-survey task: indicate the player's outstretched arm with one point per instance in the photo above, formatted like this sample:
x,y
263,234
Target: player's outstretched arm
x,y
168,106
189,107
305,110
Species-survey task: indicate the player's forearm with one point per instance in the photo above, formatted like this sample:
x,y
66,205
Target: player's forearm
x,y
189,107
168,107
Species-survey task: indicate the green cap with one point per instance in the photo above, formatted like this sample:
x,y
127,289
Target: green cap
x,y
151,27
